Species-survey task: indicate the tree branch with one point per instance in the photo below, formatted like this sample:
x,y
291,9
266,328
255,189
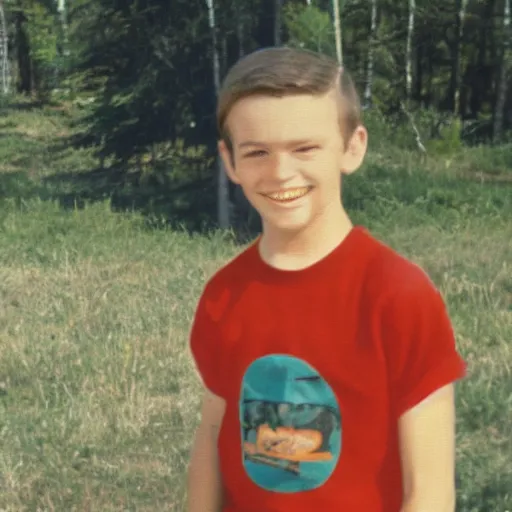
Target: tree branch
x,y
419,143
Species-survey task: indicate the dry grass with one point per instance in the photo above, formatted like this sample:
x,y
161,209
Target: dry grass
x,y
98,396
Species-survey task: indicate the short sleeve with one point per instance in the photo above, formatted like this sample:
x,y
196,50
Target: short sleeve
x,y
204,346
419,344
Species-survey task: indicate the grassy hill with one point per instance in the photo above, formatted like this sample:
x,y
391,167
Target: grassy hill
x,y
98,397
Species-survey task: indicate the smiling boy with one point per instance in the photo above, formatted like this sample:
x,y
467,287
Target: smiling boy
x,y
328,359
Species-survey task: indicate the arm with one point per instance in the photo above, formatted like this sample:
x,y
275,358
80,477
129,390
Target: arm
x,y
204,480
427,451
423,366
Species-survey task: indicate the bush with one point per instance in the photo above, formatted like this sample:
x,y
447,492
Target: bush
x,y
378,191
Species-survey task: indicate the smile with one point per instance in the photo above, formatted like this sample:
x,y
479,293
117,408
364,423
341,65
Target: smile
x,y
291,194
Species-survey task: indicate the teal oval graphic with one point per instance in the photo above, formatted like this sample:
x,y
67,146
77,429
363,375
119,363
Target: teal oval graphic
x,y
291,425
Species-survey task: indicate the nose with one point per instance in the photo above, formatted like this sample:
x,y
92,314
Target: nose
x,y
281,168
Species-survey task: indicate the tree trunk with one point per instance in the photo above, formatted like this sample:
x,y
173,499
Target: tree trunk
x,y
409,56
4,52
25,84
371,48
429,95
455,82
239,13
223,55
63,17
418,87
337,30
278,21
242,209
478,81
222,179
506,66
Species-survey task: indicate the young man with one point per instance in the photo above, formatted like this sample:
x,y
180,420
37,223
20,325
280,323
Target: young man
x,y
328,359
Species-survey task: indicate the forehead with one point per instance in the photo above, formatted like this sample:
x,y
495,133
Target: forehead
x,y
270,119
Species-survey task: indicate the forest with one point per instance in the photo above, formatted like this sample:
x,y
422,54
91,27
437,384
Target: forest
x,y
115,211
432,74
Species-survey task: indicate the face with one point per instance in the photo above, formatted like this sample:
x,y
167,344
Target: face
x,y
288,157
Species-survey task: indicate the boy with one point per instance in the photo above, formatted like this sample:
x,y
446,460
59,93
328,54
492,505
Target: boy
x,y
328,359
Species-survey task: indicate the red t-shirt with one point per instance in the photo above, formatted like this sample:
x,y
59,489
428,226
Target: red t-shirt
x,y
316,366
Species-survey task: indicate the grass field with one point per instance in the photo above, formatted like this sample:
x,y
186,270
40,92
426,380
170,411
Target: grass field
x,y
98,397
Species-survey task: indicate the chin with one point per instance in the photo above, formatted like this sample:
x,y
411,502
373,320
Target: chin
x,y
288,221
286,226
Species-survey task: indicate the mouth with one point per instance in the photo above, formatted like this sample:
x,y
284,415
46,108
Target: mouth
x,y
288,195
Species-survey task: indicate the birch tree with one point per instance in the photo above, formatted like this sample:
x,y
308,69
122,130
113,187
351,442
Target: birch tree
x,y
371,50
337,30
63,19
409,50
4,49
457,50
222,179
506,66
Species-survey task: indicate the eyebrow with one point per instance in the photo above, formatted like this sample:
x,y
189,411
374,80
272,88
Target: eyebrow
x,y
300,142
250,143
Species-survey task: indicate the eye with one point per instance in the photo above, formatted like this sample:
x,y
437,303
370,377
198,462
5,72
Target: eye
x,y
255,154
307,149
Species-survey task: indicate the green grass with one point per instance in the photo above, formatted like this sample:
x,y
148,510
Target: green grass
x,y
98,396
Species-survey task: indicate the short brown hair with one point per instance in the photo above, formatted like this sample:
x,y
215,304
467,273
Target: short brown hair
x,y
281,71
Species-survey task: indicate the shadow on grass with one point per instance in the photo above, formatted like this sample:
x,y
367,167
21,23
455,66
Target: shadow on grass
x,y
29,105
192,205
26,105
188,205
31,167
6,125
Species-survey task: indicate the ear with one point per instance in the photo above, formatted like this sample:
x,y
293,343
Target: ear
x,y
227,160
355,150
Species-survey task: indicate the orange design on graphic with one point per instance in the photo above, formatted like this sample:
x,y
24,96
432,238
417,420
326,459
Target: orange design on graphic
x,y
287,443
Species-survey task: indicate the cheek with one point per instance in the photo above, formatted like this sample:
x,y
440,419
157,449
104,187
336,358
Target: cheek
x,y
251,171
248,178
324,169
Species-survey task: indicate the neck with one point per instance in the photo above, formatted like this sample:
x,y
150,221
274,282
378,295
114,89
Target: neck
x,y
290,250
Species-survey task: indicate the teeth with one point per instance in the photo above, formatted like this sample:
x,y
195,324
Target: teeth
x,y
289,194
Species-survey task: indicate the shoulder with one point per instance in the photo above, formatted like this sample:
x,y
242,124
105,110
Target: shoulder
x,y
230,275
408,307
393,276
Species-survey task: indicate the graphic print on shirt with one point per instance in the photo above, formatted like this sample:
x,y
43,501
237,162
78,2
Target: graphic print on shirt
x,y
291,425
